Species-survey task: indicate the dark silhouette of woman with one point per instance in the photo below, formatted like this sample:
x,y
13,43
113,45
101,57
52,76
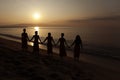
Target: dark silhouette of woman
x,y
24,40
78,44
36,43
62,49
49,43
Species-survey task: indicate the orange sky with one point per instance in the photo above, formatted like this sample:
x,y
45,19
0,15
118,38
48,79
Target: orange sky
x,y
80,12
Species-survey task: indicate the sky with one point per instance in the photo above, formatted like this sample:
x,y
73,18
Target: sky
x,y
75,11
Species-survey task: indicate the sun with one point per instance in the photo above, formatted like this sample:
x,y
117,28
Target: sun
x,y
36,16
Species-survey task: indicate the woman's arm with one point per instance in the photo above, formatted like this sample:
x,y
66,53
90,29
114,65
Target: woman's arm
x,y
73,43
32,38
28,37
45,39
53,40
58,42
40,40
66,44
81,44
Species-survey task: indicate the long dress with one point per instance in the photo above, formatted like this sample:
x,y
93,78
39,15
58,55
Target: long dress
x,y
36,43
77,48
62,49
49,45
24,40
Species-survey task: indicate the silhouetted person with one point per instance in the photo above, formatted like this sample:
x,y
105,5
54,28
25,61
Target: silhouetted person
x,y
62,49
77,45
36,43
24,40
49,43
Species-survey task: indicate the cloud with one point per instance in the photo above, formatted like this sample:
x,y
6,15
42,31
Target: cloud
x,y
107,18
110,18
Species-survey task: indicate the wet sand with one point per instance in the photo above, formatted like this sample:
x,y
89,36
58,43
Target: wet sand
x,y
19,65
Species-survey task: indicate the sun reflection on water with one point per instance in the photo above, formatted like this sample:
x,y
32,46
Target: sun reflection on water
x,y
36,28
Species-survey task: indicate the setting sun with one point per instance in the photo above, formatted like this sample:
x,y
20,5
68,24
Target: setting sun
x,y
36,16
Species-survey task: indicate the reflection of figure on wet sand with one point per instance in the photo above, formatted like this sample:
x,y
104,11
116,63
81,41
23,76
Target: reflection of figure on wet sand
x,y
49,44
36,43
62,42
78,44
24,40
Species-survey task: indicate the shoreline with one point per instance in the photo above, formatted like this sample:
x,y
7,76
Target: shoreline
x,y
89,51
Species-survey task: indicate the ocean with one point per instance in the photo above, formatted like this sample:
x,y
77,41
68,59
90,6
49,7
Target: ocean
x,y
103,41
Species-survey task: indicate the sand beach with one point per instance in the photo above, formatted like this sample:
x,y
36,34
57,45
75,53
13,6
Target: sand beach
x,y
18,65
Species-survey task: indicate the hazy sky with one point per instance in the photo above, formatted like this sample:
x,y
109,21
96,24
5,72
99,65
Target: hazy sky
x,y
21,11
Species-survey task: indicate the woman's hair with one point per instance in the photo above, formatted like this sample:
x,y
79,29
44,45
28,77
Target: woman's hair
x,y
77,39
